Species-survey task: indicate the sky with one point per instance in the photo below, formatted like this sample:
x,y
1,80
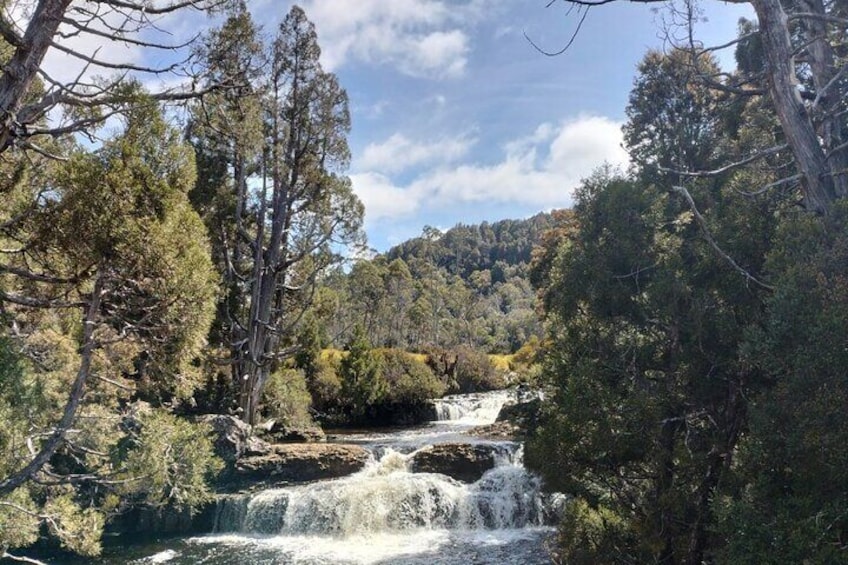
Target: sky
x,y
456,116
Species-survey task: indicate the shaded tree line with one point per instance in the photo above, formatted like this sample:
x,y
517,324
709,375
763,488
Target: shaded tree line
x,y
696,368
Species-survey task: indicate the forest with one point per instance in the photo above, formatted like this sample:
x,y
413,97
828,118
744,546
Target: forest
x,y
685,320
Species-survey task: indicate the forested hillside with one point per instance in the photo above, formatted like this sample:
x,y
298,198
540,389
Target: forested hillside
x,y
467,286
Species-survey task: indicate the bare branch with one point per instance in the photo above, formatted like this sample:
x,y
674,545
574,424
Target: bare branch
x,y
9,33
39,277
146,8
116,66
702,223
720,171
821,17
37,302
766,188
22,559
83,28
567,45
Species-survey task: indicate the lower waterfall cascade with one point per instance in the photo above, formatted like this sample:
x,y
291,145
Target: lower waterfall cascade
x,y
387,513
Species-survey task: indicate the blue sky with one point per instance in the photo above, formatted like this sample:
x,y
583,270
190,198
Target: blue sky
x,y
456,117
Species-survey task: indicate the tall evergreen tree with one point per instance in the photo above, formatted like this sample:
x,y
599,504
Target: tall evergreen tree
x,y
292,222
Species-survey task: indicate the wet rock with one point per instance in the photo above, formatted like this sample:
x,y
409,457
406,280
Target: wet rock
x,y
169,520
524,414
277,432
500,431
292,463
461,461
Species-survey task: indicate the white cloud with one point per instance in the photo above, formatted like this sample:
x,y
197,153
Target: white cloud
x,y
382,199
423,38
398,153
541,169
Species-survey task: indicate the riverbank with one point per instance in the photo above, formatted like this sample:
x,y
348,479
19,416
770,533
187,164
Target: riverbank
x,y
436,493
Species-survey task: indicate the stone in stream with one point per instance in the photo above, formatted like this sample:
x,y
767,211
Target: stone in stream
x,y
277,432
461,461
300,462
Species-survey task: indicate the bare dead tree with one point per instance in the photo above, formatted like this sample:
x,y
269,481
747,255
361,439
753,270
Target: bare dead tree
x,y
36,26
804,43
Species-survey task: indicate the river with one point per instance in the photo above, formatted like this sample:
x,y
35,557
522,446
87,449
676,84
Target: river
x,y
384,514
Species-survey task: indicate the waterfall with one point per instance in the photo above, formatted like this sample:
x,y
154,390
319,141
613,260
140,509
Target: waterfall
x,y
387,497
472,409
396,509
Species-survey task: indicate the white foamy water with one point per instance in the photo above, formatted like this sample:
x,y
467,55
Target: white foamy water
x,y
418,547
472,409
388,514
387,497
455,416
162,556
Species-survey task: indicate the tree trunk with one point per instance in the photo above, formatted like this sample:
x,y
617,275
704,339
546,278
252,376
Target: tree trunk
x,y
22,68
718,461
12,482
810,158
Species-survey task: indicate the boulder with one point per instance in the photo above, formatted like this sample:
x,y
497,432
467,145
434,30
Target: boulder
x,y
462,461
498,431
277,432
524,414
300,462
233,438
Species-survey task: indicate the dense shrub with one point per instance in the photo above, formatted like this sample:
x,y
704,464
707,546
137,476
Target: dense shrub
x,y
475,372
465,370
409,380
287,399
326,386
363,385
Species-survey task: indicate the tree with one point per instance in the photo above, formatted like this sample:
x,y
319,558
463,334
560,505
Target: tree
x,y
687,404
801,42
363,384
43,25
303,212
644,322
107,297
789,502
673,121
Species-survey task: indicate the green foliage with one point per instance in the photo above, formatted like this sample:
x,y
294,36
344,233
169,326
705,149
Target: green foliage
x,y
527,355
467,286
672,122
287,399
474,372
409,381
19,520
168,461
465,370
284,123
644,324
363,384
325,386
592,536
123,211
26,404
793,463
77,529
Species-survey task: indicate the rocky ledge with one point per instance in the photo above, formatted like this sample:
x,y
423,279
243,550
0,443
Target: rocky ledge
x,y
303,462
461,461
